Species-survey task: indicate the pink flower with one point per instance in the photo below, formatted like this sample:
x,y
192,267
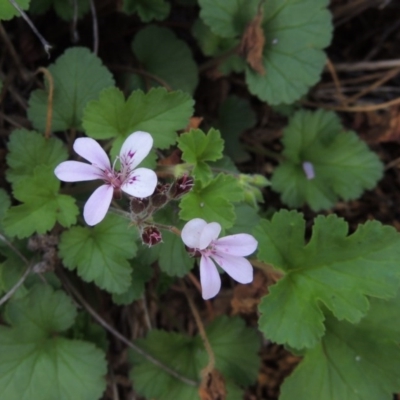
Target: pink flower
x,y
227,252
139,182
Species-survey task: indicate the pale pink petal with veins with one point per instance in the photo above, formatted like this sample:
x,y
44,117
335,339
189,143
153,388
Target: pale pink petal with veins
x,y
240,244
90,150
76,171
210,232
238,268
141,183
191,232
135,148
97,205
209,278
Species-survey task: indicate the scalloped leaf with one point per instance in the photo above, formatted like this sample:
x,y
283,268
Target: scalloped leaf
x,y
8,11
29,149
352,362
334,270
37,363
79,76
42,205
158,112
153,47
213,201
100,254
343,165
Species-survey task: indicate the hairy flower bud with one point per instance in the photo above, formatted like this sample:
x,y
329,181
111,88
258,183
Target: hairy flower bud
x,y
151,236
139,205
181,186
160,196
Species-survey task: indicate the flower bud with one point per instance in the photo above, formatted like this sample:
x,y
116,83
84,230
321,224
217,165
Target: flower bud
x,y
181,186
151,236
139,205
160,196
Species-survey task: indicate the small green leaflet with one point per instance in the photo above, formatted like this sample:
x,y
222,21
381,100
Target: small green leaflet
x,y
38,363
100,254
158,112
79,76
332,270
153,47
42,205
235,117
235,347
198,147
213,201
29,149
7,10
344,166
147,9
352,362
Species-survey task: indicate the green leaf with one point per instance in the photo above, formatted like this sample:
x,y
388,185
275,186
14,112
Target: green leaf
x,y
235,117
235,347
333,270
353,362
228,19
79,76
158,112
153,47
42,205
293,57
141,273
198,147
7,10
170,253
100,254
343,165
29,149
42,312
36,363
246,219
213,201
148,10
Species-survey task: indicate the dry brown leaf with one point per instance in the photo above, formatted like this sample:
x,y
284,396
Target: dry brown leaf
x,y
194,123
212,386
252,43
246,297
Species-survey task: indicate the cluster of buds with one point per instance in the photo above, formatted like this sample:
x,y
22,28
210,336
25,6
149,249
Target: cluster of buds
x,y
143,209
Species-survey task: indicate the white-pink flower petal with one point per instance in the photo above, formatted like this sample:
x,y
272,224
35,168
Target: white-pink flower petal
x,y
76,171
209,278
97,205
141,183
240,244
238,268
191,232
210,232
90,150
135,148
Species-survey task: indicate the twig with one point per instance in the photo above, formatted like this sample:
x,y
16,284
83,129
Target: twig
x,y
211,357
24,275
95,27
142,72
49,114
336,81
44,42
366,108
74,26
368,65
13,53
218,60
122,338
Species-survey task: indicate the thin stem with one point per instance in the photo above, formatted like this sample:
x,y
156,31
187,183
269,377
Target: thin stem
x,y
218,60
44,42
95,27
211,357
21,280
14,249
49,114
264,152
122,338
170,228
